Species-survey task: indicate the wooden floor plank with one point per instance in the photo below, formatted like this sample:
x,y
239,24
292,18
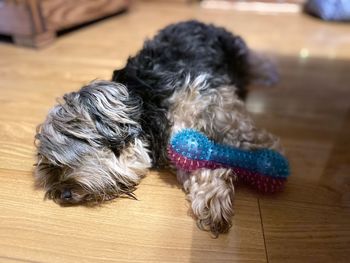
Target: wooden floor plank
x,y
156,228
309,110
303,232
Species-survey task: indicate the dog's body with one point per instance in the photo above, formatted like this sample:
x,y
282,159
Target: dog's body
x,y
178,55
102,139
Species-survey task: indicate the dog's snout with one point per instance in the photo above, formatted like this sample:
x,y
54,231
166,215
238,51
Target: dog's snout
x,y
66,194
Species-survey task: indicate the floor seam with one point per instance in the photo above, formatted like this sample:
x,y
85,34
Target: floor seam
x,y
263,231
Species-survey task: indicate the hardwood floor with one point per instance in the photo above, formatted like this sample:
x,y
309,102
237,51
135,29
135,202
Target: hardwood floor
x,y
309,109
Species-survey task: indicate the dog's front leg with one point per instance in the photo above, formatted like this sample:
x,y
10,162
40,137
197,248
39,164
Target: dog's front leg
x,y
211,194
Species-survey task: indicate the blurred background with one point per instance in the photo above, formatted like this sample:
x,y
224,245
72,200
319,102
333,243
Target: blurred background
x,y
50,47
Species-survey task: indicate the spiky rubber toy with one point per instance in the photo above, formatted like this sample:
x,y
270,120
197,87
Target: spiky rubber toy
x,y
264,169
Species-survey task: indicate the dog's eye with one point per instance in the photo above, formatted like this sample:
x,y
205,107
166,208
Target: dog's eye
x,y
66,194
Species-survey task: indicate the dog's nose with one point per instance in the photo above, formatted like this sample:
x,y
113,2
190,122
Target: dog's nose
x,y
66,194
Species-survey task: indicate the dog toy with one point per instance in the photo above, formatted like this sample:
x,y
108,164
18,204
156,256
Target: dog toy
x,y
264,169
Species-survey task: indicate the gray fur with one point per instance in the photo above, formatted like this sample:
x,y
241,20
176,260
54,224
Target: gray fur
x,y
100,141
81,134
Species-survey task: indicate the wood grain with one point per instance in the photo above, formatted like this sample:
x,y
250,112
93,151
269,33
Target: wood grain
x,y
303,232
309,110
61,14
34,23
147,230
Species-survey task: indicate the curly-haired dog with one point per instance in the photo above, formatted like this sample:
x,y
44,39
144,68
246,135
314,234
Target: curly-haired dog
x,y
100,141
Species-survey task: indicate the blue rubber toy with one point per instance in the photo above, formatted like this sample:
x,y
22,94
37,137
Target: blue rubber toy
x,y
194,145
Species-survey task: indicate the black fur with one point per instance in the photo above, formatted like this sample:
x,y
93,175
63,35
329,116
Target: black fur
x,y
182,49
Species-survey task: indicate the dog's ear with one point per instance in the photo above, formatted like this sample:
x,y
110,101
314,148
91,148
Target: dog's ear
x,y
153,115
62,137
115,114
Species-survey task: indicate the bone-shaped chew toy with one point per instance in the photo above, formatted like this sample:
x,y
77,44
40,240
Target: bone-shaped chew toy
x,y
264,169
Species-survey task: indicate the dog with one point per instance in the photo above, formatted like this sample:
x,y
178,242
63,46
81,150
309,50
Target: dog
x,y
98,142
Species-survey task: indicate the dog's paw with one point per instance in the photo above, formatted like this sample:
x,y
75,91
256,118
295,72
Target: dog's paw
x,y
216,224
211,195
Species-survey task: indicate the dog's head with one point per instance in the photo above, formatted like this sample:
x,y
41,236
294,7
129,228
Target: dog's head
x,y
89,148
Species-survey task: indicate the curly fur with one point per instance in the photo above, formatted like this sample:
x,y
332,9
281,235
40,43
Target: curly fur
x,y
221,115
99,142
177,55
90,144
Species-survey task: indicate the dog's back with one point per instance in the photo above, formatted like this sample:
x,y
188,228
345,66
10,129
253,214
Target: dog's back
x,y
187,49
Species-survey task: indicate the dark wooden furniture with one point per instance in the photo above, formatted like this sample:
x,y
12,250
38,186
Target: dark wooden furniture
x,y
35,22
